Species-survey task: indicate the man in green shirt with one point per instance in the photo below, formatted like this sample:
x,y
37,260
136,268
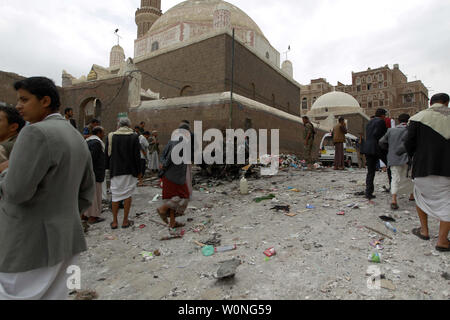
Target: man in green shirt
x,y
309,140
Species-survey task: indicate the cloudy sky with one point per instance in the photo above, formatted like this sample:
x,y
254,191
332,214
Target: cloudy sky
x,y
328,38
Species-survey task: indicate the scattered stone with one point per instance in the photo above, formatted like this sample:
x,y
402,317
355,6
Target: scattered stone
x,y
228,269
446,276
387,284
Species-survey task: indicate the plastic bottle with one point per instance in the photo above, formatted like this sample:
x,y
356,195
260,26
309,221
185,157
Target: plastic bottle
x,y
225,248
390,227
375,257
244,186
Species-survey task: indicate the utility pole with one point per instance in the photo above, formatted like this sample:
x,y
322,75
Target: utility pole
x,y
232,83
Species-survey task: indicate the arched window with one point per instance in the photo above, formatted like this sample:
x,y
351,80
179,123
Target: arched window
x,y
305,103
186,91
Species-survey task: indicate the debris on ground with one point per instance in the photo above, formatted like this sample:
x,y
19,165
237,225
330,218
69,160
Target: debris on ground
x,y
208,251
282,208
269,197
270,252
86,295
228,269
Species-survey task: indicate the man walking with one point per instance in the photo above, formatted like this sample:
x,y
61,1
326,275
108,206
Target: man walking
x,y
68,114
11,122
375,130
309,140
397,159
143,141
428,143
339,132
48,184
123,161
97,149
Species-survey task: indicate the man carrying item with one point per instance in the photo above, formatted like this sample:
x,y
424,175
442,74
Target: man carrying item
x,y
397,159
97,149
309,140
123,161
11,122
428,143
339,132
48,184
375,130
68,114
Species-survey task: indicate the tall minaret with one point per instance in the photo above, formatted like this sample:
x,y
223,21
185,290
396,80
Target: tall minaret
x,y
146,16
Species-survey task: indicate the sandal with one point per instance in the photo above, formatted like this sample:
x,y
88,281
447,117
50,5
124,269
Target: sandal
x,y
130,223
442,249
178,225
417,233
163,216
114,228
394,206
97,220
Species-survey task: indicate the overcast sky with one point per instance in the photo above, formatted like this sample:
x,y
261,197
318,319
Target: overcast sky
x,y
328,38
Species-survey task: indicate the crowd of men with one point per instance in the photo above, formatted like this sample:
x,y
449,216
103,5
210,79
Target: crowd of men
x,y
52,177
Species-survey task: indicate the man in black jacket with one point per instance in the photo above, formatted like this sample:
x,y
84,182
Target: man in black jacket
x,y
375,130
123,161
97,149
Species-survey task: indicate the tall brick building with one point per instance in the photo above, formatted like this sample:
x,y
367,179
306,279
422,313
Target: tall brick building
x,y
376,88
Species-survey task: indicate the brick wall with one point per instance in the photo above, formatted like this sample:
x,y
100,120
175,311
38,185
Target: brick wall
x,y
112,94
206,68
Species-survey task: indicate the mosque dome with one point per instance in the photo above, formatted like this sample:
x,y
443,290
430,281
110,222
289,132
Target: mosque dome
x,y
336,102
201,12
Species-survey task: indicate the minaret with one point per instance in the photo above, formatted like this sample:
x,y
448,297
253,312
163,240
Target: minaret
x,y
146,15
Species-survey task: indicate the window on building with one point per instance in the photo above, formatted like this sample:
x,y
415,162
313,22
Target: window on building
x,y
155,46
385,84
314,100
364,88
369,79
358,81
364,80
358,88
380,77
408,98
369,86
380,85
370,104
305,103
381,103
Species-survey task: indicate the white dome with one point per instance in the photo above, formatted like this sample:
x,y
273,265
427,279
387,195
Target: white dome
x,y
335,100
202,11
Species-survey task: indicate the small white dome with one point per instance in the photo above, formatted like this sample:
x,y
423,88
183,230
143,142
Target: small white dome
x,y
335,99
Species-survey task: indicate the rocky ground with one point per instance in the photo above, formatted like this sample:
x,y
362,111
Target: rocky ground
x,y
319,254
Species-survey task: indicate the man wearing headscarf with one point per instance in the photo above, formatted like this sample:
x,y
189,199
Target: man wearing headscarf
x,y
428,142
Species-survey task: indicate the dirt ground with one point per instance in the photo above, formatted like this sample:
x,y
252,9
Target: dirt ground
x,y
319,254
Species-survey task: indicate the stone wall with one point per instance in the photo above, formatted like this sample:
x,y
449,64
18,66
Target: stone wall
x,y
112,95
7,92
216,115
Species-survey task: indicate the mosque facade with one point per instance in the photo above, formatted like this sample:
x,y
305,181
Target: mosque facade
x,y
184,67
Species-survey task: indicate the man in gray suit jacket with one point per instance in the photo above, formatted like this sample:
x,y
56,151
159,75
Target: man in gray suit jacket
x,y
48,183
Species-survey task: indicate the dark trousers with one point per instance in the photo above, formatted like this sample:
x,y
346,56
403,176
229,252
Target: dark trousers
x,y
372,161
143,166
